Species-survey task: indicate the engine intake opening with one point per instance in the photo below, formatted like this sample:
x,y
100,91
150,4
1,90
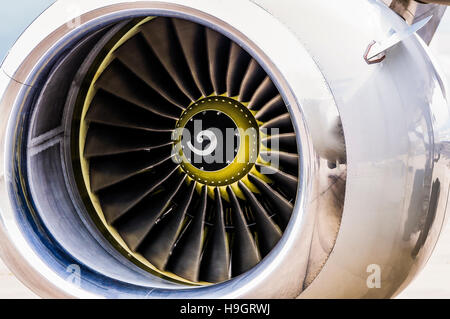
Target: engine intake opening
x,y
195,209
184,187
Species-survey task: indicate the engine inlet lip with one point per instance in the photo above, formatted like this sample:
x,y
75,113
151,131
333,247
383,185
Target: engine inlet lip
x,y
22,233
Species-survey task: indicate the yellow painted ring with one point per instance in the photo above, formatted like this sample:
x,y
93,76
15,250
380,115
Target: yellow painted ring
x,y
247,154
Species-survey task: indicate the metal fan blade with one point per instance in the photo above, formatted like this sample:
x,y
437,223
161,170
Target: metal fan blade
x,y
239,61
106,109
161,36
281,123
135,228
288,161
280,204
108,171
219,54
136,55
164,234
245,254
118,80
284,181
285,142
119,199
269,233
192,38
275,107
185,259
104,140
265,92
253,78
215,265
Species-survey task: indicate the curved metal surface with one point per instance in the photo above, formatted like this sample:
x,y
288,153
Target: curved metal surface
x,y
373,141
396,122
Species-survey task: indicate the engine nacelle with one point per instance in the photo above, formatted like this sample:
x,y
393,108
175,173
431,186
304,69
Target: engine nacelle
x,y
339,190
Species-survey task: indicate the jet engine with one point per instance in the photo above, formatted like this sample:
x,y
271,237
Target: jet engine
x,y
221,149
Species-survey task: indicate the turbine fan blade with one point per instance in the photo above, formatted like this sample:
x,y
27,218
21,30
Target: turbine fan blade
x,y
275,107
219,53
266,92
216,258
107,171
104,140
119,199
245,254
286,142
185,260
288,161
286,182
254,76
135,229
239,61
161,36
282,124
164,234
107,110
119,81
269,232
137,56
283,207
192,38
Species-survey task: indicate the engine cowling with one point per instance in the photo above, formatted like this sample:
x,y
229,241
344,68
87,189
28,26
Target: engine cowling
x,y
339,189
